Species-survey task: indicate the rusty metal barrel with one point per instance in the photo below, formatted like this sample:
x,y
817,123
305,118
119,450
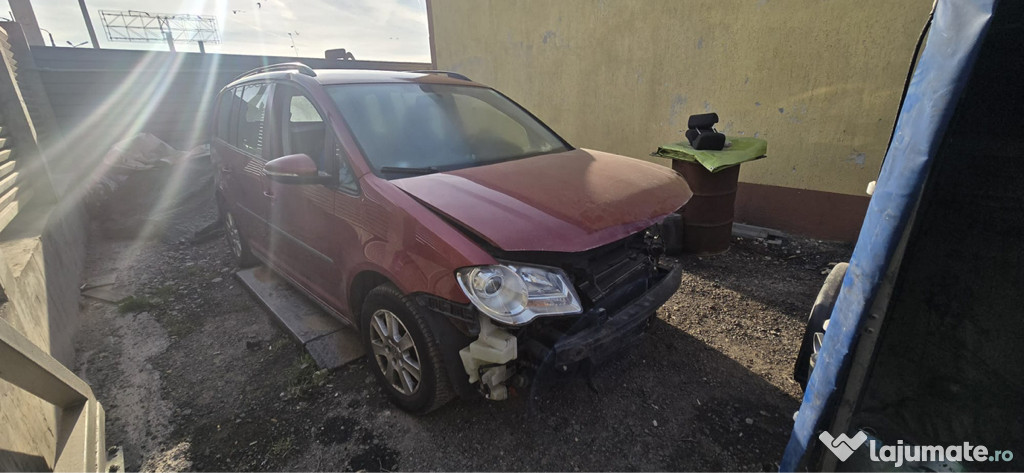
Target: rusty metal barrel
x,y
708,216
713,176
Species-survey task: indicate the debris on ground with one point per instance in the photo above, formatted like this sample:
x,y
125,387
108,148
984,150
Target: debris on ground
x,y
147,189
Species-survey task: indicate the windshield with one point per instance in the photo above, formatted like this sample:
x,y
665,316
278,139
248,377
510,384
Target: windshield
x,y
408,129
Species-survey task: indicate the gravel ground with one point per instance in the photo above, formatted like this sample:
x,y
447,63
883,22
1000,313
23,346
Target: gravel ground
x,y
195,375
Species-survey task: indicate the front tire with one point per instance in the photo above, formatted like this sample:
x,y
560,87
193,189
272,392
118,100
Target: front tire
x,y
402,352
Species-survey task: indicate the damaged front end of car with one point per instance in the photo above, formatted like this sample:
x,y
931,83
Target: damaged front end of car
x,y
545,315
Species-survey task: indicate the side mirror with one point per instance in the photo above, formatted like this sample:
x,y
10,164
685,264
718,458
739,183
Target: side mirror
x,y
294,169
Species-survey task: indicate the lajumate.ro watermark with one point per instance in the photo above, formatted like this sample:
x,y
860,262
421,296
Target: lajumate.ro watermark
x,y
843,447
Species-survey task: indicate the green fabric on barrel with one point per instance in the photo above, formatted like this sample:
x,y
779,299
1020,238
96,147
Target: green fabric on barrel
x,y
741,151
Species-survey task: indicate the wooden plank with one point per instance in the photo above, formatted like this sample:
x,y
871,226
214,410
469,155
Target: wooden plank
x,y
8,182
10,196
15,112
7,214
11,203
3,143
6,154
6,168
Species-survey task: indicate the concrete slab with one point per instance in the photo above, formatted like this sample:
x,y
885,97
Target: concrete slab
x,y
330,342
336,349
100,281
753,231
106,294
301,316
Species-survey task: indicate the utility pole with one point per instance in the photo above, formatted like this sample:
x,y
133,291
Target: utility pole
x,y
88,25
26,17
293,43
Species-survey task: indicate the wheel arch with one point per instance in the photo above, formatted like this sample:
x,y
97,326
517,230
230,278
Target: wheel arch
x,y
447,335
361,285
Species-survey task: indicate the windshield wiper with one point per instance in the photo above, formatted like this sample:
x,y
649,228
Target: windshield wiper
x,y
410,170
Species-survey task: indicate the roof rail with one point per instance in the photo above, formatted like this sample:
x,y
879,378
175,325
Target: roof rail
x,y
453,75
286,66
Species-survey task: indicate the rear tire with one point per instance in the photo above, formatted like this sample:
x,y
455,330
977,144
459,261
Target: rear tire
x,y
402,352
236,242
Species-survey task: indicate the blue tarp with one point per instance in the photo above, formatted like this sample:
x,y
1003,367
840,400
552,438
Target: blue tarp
x,y
936,85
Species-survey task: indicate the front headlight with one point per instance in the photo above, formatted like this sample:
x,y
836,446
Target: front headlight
x,y
515,294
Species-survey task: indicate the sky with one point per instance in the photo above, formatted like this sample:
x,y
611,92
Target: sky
x,y
385,30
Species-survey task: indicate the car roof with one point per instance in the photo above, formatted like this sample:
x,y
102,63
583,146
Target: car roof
x,y
365,76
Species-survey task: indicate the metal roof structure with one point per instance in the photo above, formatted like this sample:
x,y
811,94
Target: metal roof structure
x,y
143,27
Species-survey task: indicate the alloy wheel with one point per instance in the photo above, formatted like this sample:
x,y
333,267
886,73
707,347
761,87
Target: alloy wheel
x,y
395,352
234,238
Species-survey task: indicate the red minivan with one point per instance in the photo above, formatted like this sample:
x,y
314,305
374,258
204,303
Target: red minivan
x,y
473,248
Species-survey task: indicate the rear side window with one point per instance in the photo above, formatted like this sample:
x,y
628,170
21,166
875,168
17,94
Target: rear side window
x,y
252,117
236,105
224,115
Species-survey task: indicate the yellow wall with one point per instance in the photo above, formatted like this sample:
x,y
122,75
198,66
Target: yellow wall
x,y
820,80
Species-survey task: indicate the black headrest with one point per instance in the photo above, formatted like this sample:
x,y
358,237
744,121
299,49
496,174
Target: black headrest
x,y
702,134
703,120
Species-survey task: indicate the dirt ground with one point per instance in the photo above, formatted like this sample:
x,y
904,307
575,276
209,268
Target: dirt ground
x,y
195,375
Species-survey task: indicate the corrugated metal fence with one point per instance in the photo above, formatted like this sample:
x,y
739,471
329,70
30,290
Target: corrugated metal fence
x,y
120,92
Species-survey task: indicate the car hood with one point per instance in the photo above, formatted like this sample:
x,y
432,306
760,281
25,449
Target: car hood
x,y
570,201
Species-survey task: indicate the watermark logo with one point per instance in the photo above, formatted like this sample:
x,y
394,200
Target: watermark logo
x,y
843,447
